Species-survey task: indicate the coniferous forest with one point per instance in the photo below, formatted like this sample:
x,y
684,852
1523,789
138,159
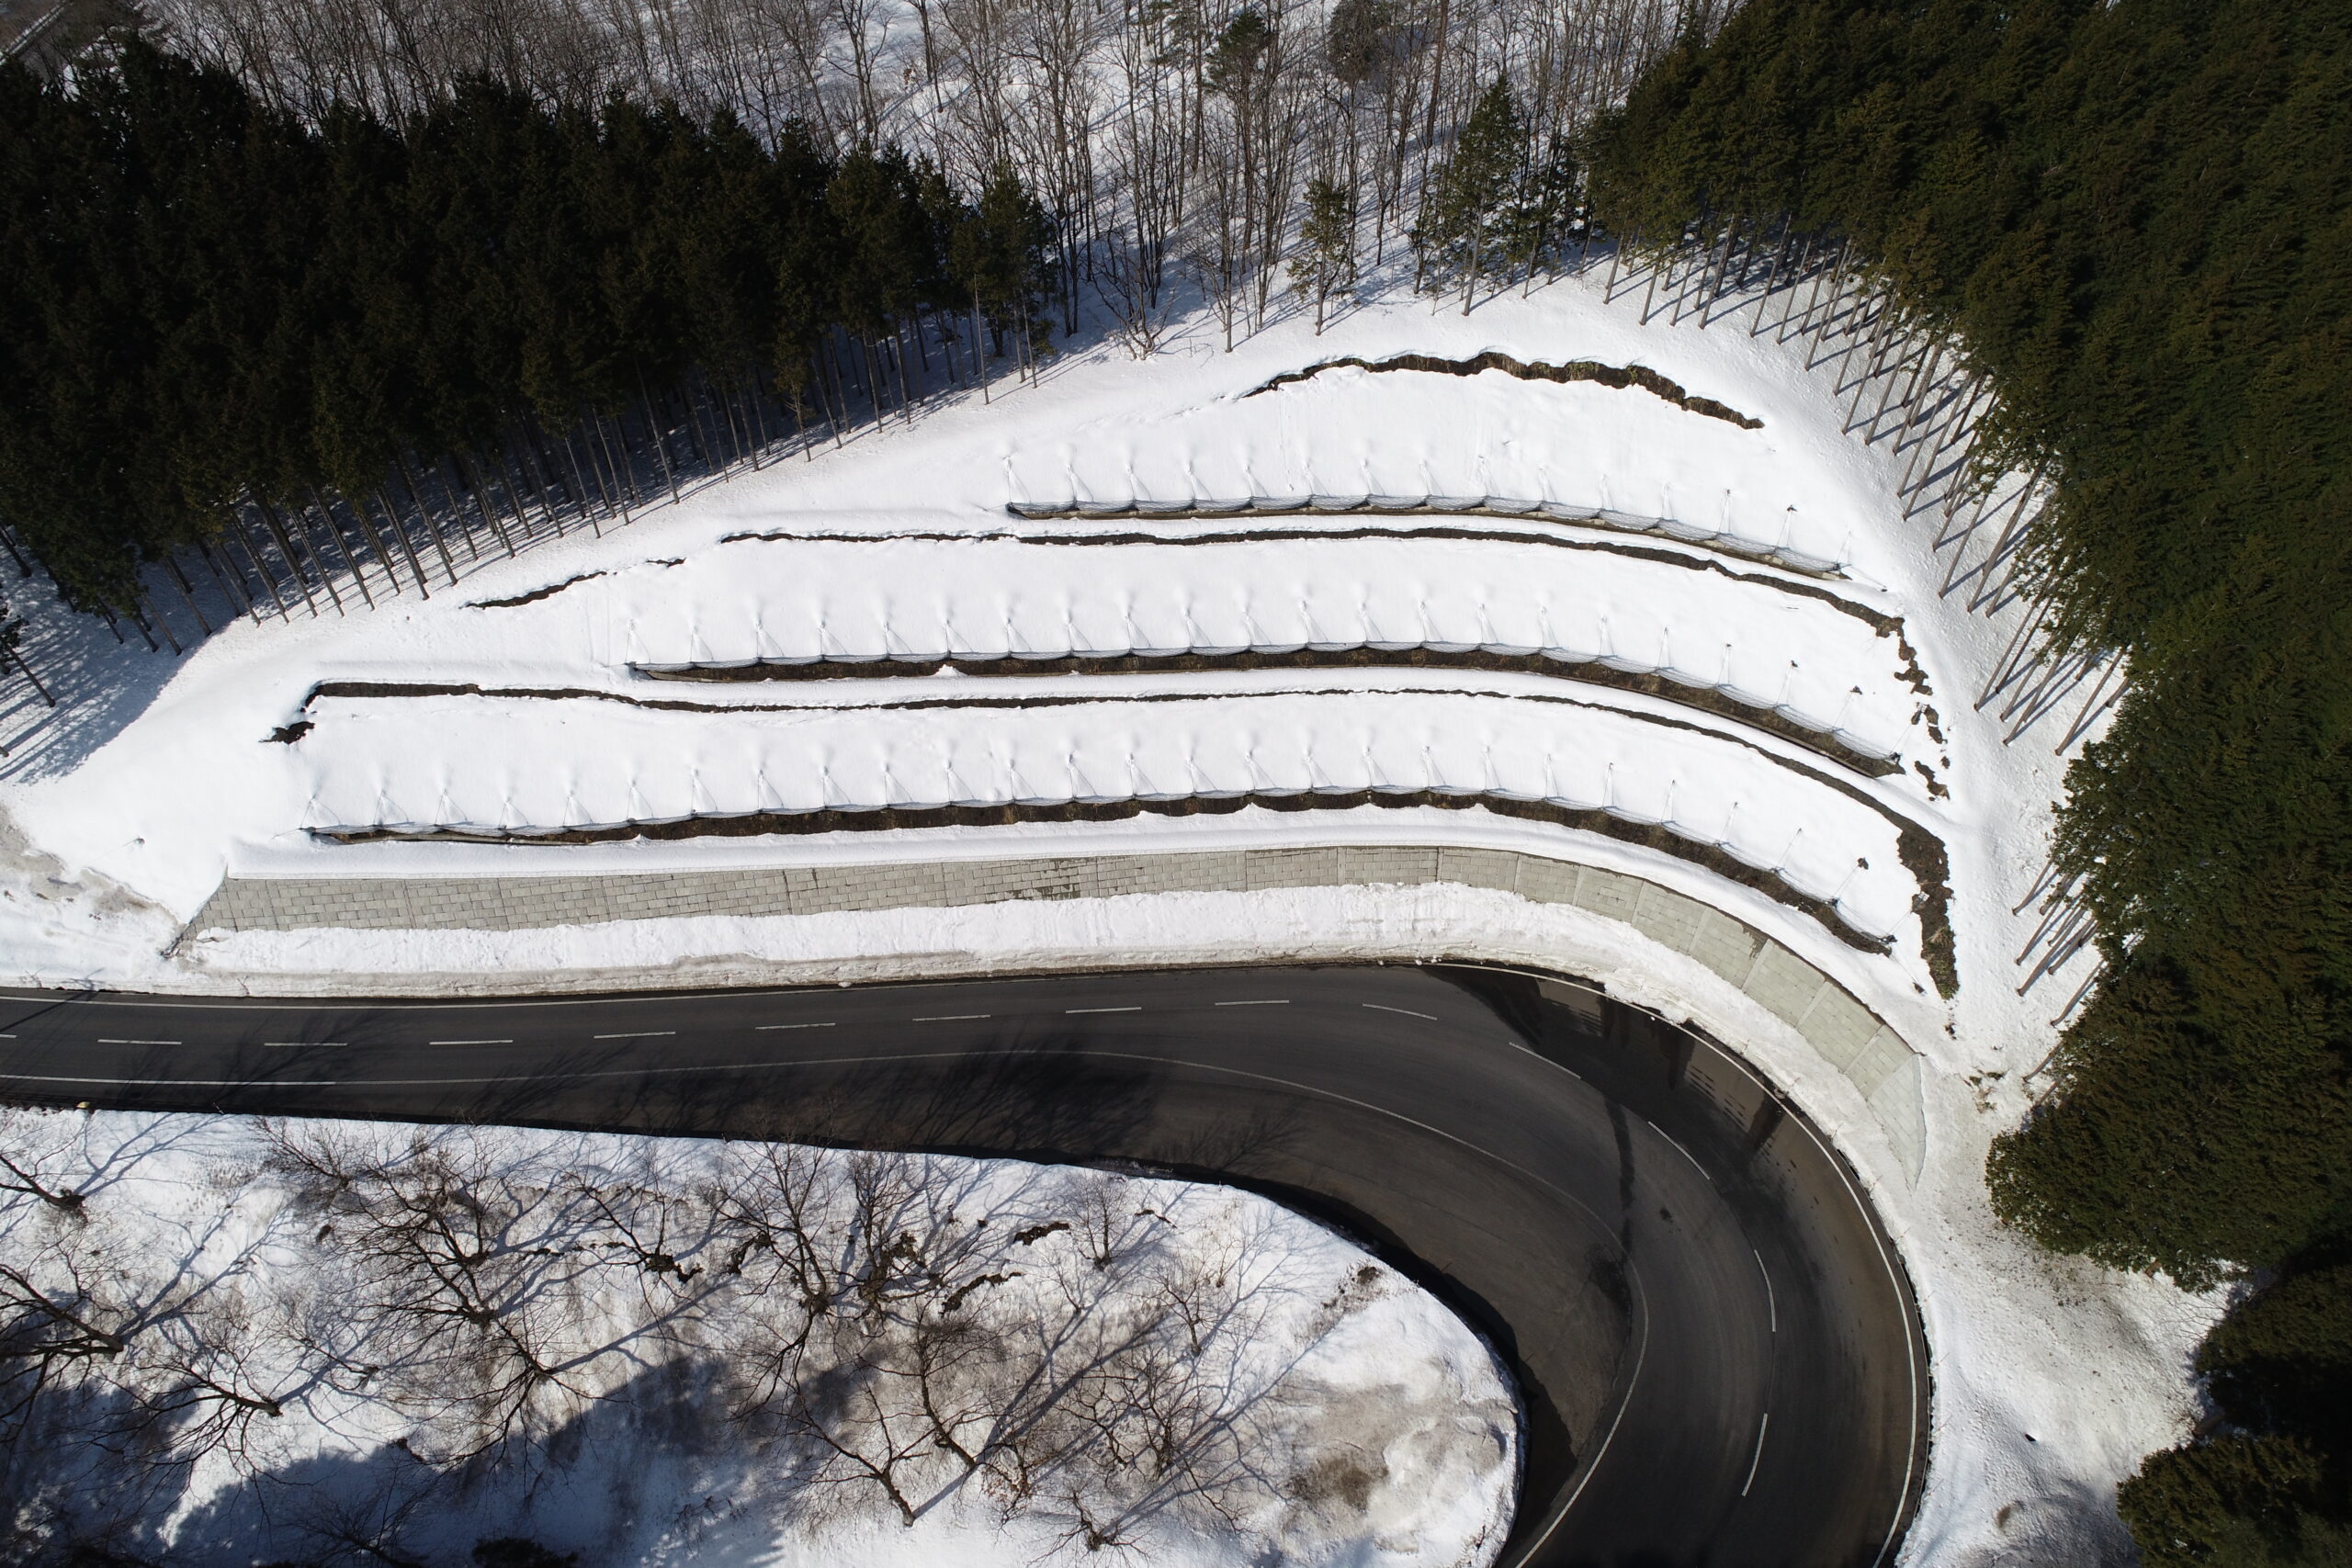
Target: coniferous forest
x,y
290,287
217,316
2138,216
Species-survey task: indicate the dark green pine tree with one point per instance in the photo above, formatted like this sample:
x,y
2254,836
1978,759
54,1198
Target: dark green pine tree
x,y
1001,257
807,262
1326,243
365,298
1470,194
78,457
1539,213
884,235
726,236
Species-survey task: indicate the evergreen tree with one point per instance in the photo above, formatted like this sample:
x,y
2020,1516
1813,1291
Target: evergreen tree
x,y
1326,243
1000,256
1539,213
1469,196
806,262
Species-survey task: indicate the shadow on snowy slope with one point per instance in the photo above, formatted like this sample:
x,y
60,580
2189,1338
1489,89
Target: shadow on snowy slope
x,y
610,1477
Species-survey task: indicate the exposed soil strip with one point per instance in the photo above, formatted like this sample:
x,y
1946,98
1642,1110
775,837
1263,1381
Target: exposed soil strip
x,y
536,594
1588,672
1422,506
901,818
1616,376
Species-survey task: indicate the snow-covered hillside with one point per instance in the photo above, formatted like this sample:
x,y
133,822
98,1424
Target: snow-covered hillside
x,y
1692,638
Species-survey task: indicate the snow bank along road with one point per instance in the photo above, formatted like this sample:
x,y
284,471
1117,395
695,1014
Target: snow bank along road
x,y
1718,1353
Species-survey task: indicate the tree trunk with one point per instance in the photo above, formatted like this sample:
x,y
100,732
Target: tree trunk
x,y
472,477
293,562
244,542
408,550
236,595
432,528
979,349
660,436
186,594
343,545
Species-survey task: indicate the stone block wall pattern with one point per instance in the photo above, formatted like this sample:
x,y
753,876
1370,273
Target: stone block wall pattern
x,y
1846,1033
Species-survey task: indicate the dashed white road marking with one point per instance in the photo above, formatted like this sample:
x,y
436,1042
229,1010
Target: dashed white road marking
x,y
1408,1012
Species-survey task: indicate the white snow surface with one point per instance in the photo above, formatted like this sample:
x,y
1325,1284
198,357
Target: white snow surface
x,y
2050,1378
522,763
1559,592
1385,1428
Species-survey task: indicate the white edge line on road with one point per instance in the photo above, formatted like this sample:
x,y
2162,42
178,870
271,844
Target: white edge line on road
x,y
1873,1223
1067,1011
1771,1303
1879,1239
764,1028
638,1034
1686,1153
1760,1428
1525,1049
1641,1356
1408,1012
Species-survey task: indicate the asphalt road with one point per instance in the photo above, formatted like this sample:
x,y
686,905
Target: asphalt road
x,y
1717,1352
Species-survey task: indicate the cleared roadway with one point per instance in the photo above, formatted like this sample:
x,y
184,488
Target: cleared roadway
x,y
1717,1352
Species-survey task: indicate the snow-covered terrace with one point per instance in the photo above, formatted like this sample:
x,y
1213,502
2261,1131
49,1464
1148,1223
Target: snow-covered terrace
x,y
1729,626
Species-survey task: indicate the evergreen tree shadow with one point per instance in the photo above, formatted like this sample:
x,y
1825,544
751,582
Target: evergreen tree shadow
x,y
101,685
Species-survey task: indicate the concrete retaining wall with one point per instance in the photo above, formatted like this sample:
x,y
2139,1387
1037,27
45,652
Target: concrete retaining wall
x,y
1848,1034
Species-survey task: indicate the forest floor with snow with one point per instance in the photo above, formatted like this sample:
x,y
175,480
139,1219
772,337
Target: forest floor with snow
x,y
335,1341
1706,611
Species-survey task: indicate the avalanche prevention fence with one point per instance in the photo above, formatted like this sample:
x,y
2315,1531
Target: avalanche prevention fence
x,y
1899,381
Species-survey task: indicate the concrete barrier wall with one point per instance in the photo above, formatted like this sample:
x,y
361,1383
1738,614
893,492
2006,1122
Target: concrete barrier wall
x,y
1847,1035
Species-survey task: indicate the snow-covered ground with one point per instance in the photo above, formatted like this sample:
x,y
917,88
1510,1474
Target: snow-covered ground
x,y
2050,1378
1329,1410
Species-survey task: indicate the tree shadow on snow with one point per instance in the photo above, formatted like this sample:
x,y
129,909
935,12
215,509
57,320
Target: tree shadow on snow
x,y
609,1478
